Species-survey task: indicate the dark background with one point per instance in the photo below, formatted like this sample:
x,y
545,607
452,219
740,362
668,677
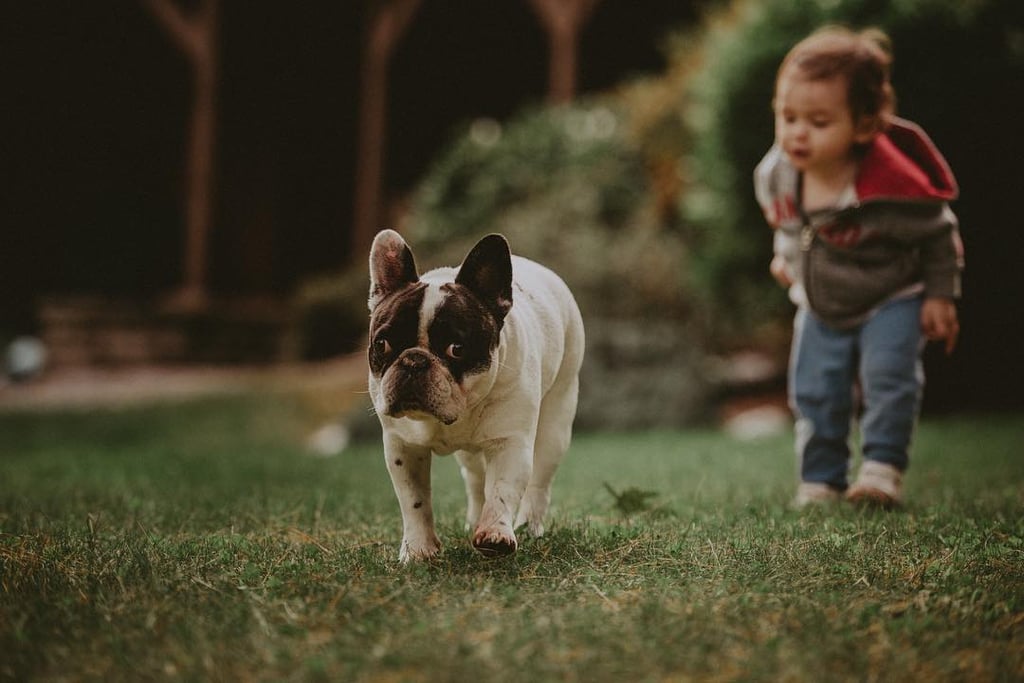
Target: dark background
x,y
99,106
96,105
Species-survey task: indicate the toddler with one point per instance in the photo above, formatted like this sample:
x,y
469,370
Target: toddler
x,y
870,251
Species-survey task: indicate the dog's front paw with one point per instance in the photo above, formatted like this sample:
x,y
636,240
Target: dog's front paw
x,y
411,551
494,543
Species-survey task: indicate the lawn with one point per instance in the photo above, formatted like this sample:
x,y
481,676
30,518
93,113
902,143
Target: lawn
x,y
199,541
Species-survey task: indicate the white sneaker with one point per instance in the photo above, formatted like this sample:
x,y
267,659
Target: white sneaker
x,y
815,493
878,484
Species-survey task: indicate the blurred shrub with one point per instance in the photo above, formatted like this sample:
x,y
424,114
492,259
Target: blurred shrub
x,y
569,188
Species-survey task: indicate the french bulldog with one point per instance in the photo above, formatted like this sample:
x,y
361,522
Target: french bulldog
x,y
481,361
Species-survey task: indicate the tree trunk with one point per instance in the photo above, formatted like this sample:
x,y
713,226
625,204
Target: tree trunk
x,y
196,37
563,21
563,46
200,191
388,22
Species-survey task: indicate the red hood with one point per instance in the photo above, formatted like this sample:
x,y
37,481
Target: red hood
x,y
903,163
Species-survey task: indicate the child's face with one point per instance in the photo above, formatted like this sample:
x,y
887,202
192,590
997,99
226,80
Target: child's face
x,y
814,124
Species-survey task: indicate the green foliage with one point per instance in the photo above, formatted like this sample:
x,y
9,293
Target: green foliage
x,y
569,188
578,151
632,500
198,541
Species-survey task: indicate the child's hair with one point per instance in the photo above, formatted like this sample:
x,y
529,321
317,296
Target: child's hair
x,y
863,58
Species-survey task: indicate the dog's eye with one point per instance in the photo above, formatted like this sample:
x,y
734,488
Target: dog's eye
x,y
454,351
382,346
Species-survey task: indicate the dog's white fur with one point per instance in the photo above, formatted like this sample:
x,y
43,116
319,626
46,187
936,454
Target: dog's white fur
x,y
515,421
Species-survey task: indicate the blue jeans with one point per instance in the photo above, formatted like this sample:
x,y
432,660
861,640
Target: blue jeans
x,y
884,354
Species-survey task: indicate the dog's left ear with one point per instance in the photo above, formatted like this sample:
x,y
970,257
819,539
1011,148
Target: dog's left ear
x,y
487,272
392,266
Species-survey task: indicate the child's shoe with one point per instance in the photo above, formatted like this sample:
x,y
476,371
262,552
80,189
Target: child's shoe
x,y
877,485
815,493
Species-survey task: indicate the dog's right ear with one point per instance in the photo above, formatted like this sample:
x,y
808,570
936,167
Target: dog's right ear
x,y
392,266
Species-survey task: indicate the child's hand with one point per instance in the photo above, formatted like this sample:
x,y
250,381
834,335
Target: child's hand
x,y
780,272
939,321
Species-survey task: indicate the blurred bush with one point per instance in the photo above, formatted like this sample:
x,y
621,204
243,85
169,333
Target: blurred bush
x,y
568,188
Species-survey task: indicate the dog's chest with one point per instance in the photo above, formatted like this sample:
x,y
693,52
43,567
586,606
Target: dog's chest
x,y
439,438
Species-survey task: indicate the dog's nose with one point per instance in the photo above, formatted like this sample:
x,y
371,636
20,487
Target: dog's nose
x,y
415,360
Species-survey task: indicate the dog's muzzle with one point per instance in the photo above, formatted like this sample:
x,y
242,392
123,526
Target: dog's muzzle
x,y
415,390
414,360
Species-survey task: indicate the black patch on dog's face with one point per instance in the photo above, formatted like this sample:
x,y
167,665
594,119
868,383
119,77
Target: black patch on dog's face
x,y
463,332
394,327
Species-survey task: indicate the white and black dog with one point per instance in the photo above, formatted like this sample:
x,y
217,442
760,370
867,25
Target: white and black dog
x,y
482,361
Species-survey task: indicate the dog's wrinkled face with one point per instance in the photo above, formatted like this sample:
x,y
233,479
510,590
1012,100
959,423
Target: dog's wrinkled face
x,y
433,340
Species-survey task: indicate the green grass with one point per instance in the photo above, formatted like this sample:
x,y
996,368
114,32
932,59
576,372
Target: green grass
x,y
200,542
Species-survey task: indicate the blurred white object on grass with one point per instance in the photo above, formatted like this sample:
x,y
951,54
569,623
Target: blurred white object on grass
x,y
25,358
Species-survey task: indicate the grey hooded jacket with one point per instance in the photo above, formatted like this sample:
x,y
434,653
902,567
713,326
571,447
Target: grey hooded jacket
x,y
892,233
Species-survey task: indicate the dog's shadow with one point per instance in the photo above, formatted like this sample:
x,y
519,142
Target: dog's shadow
x,y
535,556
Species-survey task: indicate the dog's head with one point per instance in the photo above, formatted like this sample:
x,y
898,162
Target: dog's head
x,y
433,340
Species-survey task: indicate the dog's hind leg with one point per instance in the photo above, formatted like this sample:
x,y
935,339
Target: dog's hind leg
x,y
473,470
554,432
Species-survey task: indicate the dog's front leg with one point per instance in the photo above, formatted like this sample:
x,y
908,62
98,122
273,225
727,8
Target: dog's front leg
x,y
409,467
508,471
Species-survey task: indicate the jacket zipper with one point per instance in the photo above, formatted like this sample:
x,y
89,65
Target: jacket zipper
x,y
806,238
